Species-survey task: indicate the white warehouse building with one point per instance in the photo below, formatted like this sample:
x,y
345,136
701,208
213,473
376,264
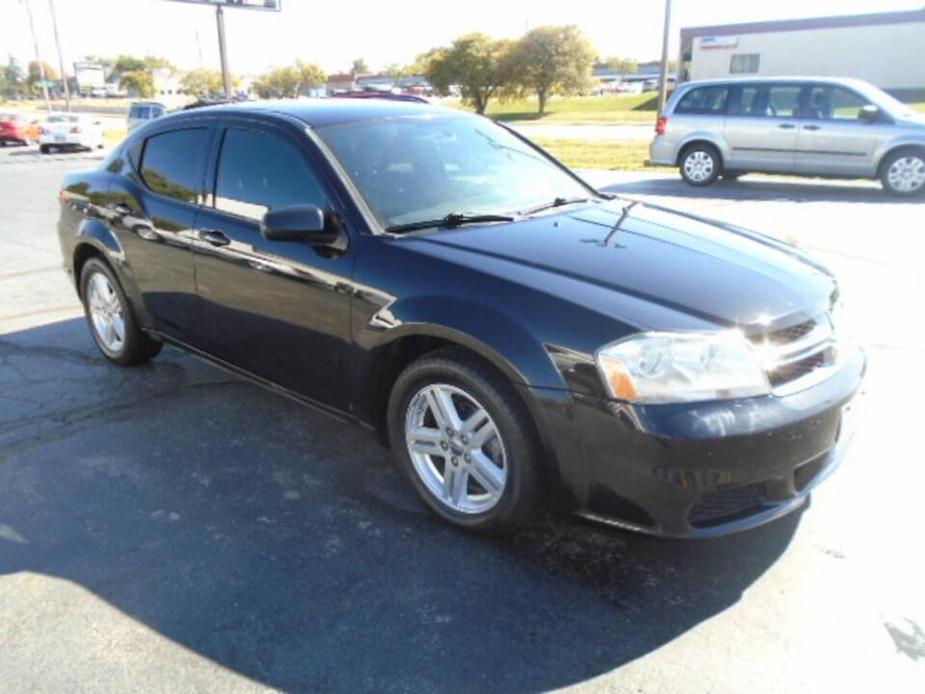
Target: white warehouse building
x,y
886,49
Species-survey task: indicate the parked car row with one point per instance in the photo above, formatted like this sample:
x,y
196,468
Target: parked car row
x,y
57,131
842,128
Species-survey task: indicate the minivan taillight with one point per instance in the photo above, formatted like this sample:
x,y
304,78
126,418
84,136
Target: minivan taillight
x,y
661,124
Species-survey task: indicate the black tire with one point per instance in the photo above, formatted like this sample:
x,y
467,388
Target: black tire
x,y
712,165
455,368
912,154
137,346
44,149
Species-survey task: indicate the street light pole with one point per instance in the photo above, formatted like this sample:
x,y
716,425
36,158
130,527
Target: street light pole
x,y
38,56
663,86
54,24
223,52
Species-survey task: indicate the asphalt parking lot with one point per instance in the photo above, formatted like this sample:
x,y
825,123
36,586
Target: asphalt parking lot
x,y
174,528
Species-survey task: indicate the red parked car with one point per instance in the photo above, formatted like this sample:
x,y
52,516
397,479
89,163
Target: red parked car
x,y
18,129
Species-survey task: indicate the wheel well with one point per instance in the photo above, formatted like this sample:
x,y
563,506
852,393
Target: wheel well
x,y
899,148
703,143
395,358
82,254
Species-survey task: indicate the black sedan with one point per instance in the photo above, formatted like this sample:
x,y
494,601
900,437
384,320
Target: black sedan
x,y
517,338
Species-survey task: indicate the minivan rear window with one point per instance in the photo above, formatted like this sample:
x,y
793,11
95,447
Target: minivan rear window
x,y
703,100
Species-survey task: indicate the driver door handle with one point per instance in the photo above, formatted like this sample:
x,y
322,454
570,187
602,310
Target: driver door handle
x,y
811,127
214,237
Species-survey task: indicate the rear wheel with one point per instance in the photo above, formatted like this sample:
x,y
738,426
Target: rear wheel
x,y
112,323
465,441
44,149
700,165
903,173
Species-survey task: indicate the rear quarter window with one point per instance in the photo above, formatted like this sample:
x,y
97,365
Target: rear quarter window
x,y
171,163
703,101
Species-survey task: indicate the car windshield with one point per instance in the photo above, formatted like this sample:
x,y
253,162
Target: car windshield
x,y
411,170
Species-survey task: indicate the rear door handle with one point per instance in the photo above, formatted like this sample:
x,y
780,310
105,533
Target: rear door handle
x,y
214,237
812,127
786,126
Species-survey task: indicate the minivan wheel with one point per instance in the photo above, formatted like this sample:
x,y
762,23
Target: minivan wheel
x,y
464,440
700,165
903,173
44,149
112,323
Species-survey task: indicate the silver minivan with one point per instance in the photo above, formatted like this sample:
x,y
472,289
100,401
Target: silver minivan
x,y
142,112
809,126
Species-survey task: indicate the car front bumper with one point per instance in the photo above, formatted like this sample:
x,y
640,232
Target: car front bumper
x,y
699,469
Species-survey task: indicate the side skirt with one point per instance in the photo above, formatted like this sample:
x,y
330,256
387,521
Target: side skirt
x,y
337,414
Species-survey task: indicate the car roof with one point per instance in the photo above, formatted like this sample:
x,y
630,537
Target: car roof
x,y
319,113
796,79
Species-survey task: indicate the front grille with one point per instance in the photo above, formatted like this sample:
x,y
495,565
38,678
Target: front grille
x,y
727,503
793,356
793,333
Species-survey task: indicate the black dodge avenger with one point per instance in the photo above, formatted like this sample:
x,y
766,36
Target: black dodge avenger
x,y
518,339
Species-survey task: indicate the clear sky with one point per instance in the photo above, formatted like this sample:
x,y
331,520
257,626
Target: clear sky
x,y
332,33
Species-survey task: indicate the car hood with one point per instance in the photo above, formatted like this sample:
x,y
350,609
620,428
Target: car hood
x,y
716,272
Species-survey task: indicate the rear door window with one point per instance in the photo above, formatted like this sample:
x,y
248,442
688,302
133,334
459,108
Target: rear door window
x,y
703,101
769,101
171,163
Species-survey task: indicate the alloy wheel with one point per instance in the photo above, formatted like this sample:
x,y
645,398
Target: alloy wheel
x,y
456,448
106,313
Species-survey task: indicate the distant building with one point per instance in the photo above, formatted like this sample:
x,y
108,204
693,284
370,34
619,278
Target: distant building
x,y
886,49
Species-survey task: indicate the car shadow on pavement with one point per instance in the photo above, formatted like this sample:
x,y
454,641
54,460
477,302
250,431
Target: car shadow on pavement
x,y
768,189
283,545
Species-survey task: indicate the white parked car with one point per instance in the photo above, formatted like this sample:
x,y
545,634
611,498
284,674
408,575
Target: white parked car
x,y
70,130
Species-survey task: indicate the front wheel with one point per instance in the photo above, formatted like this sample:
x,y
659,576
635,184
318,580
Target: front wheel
x,y
904,173
465,441
112,322
700,165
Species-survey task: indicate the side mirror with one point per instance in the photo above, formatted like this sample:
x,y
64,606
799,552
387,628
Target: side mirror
x,y
869,113
298,223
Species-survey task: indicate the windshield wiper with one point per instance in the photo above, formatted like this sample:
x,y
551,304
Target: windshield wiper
x,y
556,202
454,219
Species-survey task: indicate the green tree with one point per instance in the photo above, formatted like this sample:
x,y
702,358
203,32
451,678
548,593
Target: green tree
x,y
358,66
35,72
553,60
128,63
202,82
478,64
155,62
138,81
289,81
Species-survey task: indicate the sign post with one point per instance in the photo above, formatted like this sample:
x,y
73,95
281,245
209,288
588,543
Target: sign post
x,y
220,5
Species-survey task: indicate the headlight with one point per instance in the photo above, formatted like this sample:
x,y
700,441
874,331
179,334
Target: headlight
x,y
681,367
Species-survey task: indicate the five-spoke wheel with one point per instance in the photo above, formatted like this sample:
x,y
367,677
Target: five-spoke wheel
x,y
464,439
110,317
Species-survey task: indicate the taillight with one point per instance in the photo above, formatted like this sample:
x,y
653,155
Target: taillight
x,y
661,124
75,129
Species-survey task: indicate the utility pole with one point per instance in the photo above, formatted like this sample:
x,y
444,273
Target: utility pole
x,y
54,24
38,56
223,52
663,80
